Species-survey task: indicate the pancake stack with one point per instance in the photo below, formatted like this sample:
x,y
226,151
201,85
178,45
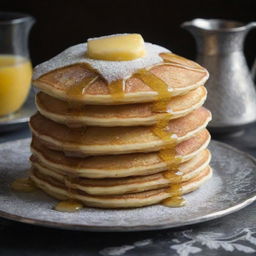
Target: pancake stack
x,y
134,141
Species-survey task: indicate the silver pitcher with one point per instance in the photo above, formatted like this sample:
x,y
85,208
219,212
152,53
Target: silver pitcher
x,y
231,91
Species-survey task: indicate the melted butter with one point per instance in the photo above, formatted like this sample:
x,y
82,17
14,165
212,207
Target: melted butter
x,y
116,89
23,185
176,201
68,206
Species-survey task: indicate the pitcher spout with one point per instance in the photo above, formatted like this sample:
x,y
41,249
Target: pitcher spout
x,y
187,25
251,25
191,25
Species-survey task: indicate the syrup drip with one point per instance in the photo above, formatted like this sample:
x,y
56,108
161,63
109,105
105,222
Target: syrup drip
x,y
174,177
168,153
161,106
176,201
157,85
160,130
154,83
23,185
174,190
78,89
68,206
116,89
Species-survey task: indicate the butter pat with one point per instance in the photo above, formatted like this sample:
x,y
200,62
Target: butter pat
x,y
116,47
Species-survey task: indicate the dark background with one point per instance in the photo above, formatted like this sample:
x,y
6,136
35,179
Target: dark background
x,y
64,23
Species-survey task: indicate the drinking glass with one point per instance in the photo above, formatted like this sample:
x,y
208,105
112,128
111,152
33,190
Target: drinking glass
x,y
15,65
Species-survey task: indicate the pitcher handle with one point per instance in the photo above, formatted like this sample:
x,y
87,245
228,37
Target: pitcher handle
x,y
253,69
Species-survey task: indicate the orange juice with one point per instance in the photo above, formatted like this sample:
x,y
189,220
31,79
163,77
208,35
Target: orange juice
x,y
15,78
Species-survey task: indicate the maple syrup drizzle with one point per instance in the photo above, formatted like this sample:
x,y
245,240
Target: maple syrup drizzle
x,y
176,201
68,206
23,185
116,89
160,130
173,176
78,89
75,108
168,153
154,83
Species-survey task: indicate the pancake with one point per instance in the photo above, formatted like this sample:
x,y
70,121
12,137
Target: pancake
x,y
117,166
115,140
56,189
176,59
122,115
179,75
119,186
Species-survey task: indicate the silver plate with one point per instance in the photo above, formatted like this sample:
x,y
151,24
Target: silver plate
x,y
20,117
232,187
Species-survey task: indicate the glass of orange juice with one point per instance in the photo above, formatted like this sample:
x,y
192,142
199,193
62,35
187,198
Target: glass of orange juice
x,y
15,65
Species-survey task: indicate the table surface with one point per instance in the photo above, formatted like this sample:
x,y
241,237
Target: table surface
x,y
234,234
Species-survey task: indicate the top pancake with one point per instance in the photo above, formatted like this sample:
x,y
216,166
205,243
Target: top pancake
x,y
179,74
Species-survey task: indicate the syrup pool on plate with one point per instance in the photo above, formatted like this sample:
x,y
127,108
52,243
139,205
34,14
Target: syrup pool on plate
x,y
15,79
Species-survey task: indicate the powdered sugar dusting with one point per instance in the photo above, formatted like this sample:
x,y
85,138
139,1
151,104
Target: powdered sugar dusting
x,y
110,70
